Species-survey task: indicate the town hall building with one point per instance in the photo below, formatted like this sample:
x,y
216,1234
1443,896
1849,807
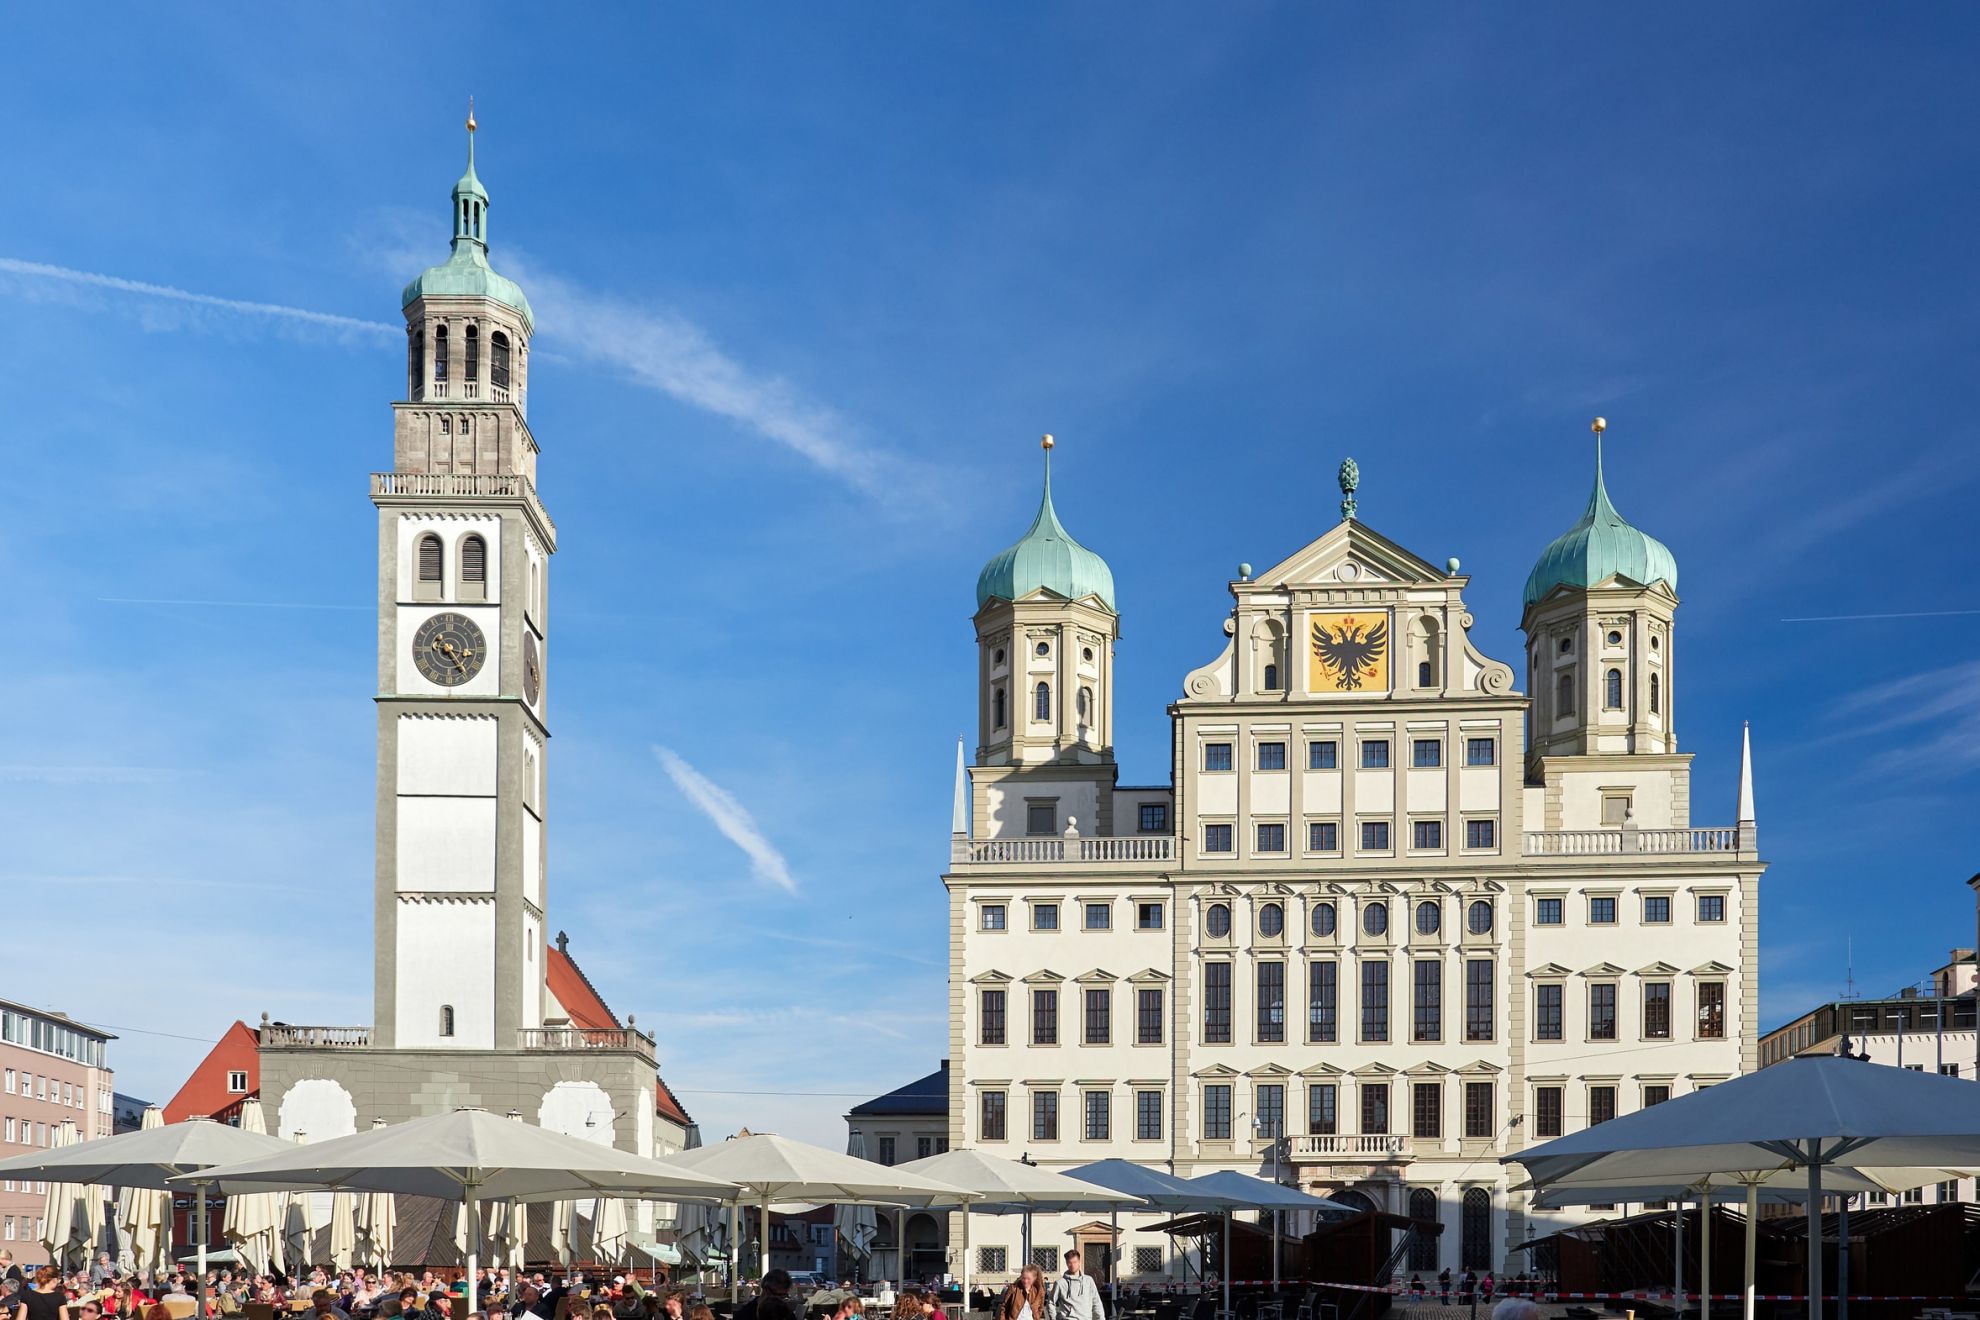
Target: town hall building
x,y
1394,916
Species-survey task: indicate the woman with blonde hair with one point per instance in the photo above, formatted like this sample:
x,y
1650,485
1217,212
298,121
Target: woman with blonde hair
x,y
1025,1298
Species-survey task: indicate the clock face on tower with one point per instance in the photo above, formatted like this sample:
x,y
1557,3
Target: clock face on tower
x,y
449,649
532,670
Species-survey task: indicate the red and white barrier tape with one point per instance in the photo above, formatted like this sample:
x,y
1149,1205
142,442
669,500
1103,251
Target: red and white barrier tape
x,y
1641,1295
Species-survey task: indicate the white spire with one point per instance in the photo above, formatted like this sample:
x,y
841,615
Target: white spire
x,y
959,811
1746,816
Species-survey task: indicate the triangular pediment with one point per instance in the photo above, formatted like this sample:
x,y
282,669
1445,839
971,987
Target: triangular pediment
x,y
1659,968
991,978
1096,977
1374,1070
1427,1068
1216,1070
1713,968
1270,1070
1479,1068
1149,976
1323,561
1321,1070
1602,969
1550,970
1044,978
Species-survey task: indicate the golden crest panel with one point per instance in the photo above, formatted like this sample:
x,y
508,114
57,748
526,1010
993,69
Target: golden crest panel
x,y
1347,651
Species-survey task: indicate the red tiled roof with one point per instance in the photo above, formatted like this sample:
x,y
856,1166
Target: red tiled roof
x,y
667,1105
205,1093
573,990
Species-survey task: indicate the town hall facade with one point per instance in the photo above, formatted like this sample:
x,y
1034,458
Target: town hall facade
x,y
1392,918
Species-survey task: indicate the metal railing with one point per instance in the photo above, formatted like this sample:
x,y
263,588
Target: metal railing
x,y
1628,839
1052,849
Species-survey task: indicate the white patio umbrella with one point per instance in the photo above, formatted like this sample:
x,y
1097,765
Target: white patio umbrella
x,y
298,1232
769,1169
1810,1114
611,1232
377,1224
563,1232
857,1225
1013,1187
343,1230
1163,1192
468,1156
252,1226
1259,1194
63,1203
144,1213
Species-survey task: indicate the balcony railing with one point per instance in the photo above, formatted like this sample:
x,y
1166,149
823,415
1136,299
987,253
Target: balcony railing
x,y
1064,851
460,485
322,1038
1620,842
568,1039
1350,1148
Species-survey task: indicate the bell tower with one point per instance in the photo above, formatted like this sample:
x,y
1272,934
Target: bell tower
x,y
464,548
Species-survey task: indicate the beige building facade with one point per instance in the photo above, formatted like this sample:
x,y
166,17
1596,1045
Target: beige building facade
x,y
1392,919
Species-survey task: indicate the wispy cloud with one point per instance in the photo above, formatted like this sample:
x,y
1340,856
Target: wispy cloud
x,y
118,284
731,817
1944,702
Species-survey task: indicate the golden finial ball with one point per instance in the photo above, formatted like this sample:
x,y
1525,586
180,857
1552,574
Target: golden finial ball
x,y
470,121
1047,442
1599,425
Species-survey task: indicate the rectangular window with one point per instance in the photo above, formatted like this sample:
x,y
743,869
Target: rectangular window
x,y
1270,1102
1375,1108
1481,834
1271,838
1148,916
1426,753
1324,755
1655,1095
1546,1111
237,1082
1045,1017
992,1122
1374,836
1216,756
1615,810
1602,911
1657,1010
1656,909
992,1260
992,1017
1045,1258
1427,1020
1602,1010
1041,818
1601,1104
924,1147
1147,1115
1479,1124
1375,1000
1321,999
887,1155
1217,1112
1712,1011
1546,911
1426,834
1322,1109
1547,1010
1154,817
1711,907
1044,1115
1480,751
1097,916
1044,916
1148,1260
1478,999
1216,838
1271,1002
993,916
1271,756
1099,1115
1323,836
1217,1003
1375,754
1426,1110
1148,1016
1099,1017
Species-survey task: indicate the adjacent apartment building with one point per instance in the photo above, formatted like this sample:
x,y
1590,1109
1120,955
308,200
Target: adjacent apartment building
x,y
52,1071
1390,919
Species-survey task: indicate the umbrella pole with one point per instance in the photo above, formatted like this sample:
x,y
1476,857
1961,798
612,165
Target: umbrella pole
x,y
1752,1230
1677,1260
735,1248
1224,1265
1705,1260
474,1246
900,1245
1814,1238
1842,1259
1114,1222
965,1257
199,1233
763,1241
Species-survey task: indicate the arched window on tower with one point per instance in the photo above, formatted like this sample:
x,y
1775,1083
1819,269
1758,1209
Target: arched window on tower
x,y
1424,646
440,361
1612,690
1041,702
498,360
997,712
446,1019
427,578
416,361
1564,694
1271,678
473,362
1268,643
1656,694
474,569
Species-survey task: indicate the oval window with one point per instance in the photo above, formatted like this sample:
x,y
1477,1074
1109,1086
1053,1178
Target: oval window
x,y
1375,919
1324,919
1043,648
1478,918
1271,920
1428,918
1218,920
1087,655
998,658
1615,639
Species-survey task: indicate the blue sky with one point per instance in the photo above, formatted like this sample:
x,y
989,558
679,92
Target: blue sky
x,y
810,280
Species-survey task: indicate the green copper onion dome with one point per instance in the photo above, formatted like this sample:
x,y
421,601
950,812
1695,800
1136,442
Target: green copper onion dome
x,y
1601,546
466,274
1047,557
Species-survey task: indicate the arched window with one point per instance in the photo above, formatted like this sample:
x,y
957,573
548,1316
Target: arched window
x,y
1428,918
1375,919
1085,704
1041,702
1475,1232
1423,1242
1423,673
498,360
997,708
1612,689
474,567
1271,920
440,353
446,1019
1656,694
416,360
1564,694
1271,678
1217,921
473,364
1478,917
428,572
1324,919
446,423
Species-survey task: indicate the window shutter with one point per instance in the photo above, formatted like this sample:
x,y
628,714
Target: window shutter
x,y
474,560
429,559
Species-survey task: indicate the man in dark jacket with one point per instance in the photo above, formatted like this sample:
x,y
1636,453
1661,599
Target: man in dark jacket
x,y
777,1285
